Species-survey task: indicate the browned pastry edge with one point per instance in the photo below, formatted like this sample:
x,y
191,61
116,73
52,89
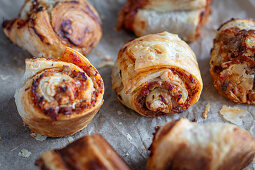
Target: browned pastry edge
x,y
184,156
204,16
98,152
129,10
233,19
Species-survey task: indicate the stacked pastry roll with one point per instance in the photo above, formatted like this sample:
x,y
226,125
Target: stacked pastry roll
x,y
232,60
59,98
181,144
45,28
181,17
157,74
88,153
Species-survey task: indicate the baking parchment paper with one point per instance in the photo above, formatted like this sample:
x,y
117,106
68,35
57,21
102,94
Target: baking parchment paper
x,y
129,133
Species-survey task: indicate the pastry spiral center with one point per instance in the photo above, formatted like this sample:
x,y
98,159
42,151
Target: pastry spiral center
x,y
63,91
48,85
159,100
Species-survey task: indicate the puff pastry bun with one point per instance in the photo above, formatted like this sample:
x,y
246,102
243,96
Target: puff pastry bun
x,y
157,74
181,17
87,153
232,60
181,144
59,98
45,28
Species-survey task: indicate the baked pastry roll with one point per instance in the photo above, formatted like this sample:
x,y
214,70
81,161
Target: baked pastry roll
x,y
157,74
232,60
87,153
181,17
59,98
45,28
181,144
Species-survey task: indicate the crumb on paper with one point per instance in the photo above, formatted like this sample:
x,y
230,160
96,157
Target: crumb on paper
x,y
129,137
70,139
21,69
103,57
207,109
107,59
4,77
232,114
15,58
105,64
0,137
24,153
127,154
33,134
119,112
120,123
38,136
100,55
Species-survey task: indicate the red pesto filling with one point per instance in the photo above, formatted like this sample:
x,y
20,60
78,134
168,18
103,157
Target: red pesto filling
x,y
65,94
191,84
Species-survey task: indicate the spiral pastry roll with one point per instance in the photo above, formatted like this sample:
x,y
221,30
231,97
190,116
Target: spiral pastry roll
x,y
59,98
45,28
181,17
232,61
157,74
87,153
181,144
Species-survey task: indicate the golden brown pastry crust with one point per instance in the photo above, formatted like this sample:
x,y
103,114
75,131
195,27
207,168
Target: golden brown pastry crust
x,y
45,28
157,74
181,17
232,60
59,98
89,152
181,144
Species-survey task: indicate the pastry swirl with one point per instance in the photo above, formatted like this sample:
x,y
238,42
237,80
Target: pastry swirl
x,y
181,17
46,28
232,60
181,144
157,74
87,153
59,98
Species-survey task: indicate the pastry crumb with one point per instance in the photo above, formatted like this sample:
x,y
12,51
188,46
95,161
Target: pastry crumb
x,y
105,64
38,136
107,59
24,153
232,114
33,134
129,137
207,109
100,55
4,77
119,112
120,123
15,58
21,69
70,139
0,137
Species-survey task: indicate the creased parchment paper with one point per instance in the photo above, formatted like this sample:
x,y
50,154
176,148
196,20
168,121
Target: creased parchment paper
x,y
129,133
